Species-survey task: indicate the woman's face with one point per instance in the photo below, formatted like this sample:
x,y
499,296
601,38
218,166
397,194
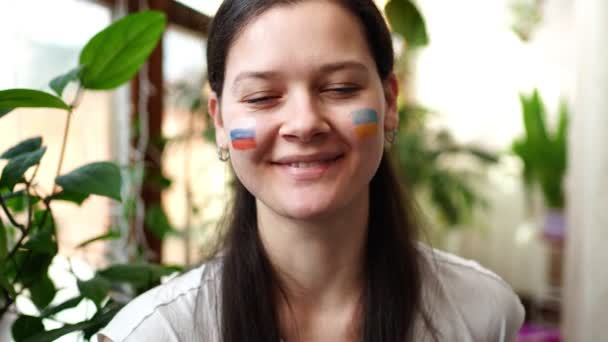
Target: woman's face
x,y
303,110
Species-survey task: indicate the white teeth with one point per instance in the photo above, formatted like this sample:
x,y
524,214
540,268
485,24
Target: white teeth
x,y
303,164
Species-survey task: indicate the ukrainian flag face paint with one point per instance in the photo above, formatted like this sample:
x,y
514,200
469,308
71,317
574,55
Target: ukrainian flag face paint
x,y
242,134
365,122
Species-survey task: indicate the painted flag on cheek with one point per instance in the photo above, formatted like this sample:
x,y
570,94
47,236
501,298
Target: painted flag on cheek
x,y
366,123
242,135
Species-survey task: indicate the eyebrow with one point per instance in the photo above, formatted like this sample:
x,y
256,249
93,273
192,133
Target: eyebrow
x,y
269,75
260,75
332,67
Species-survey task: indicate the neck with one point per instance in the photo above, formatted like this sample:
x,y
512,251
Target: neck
x,y
318,261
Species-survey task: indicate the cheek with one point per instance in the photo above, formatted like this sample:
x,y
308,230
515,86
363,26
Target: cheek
x,y
242,133
365,125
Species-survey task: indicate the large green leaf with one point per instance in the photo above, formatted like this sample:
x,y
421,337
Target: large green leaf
x,y
114,55
28,145
68,304
406,20
42,242
59,83
43,292
67,196
3,241
34,266
3,112
14,170
26,326
5,282
100,178
136,274
95,289
28,98
157,222
99,320
112,235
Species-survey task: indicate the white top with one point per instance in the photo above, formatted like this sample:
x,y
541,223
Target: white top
x,y
469,303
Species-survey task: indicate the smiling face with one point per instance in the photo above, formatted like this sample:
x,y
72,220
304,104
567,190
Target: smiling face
x,y
303,110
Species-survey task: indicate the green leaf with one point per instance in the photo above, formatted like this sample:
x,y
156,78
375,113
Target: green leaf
x,y
99,320
100,178
59,83
18,201
406,21
114,55
136,274
3,111
70,197
43,292
26,326
5,283
107,236
42,242
33,266
157,222
3,240
16,167
95,289
68,304
28,98
29,145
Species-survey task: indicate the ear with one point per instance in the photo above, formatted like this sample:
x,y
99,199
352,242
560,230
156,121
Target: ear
x,y
213,105
391,91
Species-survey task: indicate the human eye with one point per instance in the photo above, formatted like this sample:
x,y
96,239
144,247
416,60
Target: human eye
x,y
260,99
341,90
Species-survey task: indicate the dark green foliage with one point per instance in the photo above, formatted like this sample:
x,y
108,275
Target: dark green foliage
x,y
543,154
59,83
28,98
100,178
28,239
26,326
28,145
406,21
157,222
16,167
114,55
419,152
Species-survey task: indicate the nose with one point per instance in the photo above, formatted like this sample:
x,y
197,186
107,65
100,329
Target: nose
x,y
304,120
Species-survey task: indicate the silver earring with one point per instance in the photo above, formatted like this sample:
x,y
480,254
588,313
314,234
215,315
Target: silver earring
x,y
390,136
223,153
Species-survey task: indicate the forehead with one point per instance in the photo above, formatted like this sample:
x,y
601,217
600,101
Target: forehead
x,y
297,38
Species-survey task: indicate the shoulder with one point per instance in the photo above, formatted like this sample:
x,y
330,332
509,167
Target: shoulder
x,y
487,305
167,311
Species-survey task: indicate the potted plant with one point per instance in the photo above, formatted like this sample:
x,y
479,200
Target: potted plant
x,y
543,154
544,157
28,234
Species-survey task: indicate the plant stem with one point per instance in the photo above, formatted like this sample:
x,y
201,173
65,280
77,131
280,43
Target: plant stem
x,y
65,132
10,216
63,144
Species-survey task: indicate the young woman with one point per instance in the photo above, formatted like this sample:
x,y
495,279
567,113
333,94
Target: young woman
x,y
320,245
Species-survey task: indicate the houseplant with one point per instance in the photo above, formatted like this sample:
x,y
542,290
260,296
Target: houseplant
x,y
544,157
28,234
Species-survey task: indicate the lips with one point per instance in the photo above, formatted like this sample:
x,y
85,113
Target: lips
x,y
307,160
308,167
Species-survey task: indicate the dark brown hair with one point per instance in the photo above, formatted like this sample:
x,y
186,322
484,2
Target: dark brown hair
x,y
392,299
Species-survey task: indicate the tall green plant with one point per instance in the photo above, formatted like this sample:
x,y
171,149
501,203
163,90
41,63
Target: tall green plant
x,y
543,153
420,150
28,237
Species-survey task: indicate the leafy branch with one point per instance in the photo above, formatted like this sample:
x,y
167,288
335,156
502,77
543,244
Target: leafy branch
x,y
111,58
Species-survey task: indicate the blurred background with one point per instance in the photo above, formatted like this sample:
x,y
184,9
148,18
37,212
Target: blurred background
x,y
503,141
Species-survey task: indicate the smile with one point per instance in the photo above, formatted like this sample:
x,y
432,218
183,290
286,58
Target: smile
x,y
309,168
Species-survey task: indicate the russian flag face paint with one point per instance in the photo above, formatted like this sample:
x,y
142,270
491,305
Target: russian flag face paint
x,y
242,134
365,122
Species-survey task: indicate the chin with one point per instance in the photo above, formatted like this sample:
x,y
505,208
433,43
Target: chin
x,y
308,212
